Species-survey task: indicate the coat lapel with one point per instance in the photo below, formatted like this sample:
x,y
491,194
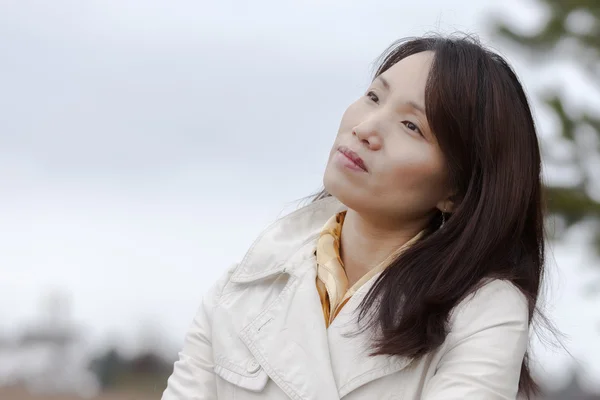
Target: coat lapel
x,y
289,338
352,365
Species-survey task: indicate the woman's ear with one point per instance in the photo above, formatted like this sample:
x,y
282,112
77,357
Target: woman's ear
x,y
447,205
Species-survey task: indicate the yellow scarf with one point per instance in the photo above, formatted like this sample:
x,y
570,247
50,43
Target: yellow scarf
x,y
332,282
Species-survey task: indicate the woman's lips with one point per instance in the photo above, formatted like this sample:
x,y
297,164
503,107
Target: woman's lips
x,y
354,158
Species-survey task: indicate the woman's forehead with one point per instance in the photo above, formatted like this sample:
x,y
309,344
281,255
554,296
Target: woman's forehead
x,y
411,71
407,79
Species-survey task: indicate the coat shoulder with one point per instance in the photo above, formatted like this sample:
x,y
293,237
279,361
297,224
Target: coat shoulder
x,y
284,237
495,302
218,287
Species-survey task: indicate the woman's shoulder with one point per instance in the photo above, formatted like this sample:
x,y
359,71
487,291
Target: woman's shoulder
x,y
492,291
274,245
284,237
495,303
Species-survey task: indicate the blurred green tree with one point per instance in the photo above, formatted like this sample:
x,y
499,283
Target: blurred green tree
x,y
570,32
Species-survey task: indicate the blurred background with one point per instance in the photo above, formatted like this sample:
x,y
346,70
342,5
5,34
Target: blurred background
x,y
145,144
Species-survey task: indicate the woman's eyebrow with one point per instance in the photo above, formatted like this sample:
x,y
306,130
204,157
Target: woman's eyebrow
x,y
416,106
384,81
387,86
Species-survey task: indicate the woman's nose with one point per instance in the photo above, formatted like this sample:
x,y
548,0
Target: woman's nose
x,y
368,137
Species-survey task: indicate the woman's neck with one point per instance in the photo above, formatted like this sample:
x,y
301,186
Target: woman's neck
x,y
365,244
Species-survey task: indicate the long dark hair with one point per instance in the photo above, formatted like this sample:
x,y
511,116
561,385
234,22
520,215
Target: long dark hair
x,y
480,115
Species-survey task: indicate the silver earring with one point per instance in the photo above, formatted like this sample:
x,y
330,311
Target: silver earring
x,y
443,218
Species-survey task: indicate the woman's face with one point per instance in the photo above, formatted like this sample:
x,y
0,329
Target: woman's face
x,y
385,160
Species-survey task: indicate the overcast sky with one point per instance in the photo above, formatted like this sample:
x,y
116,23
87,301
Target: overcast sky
x,y
144,144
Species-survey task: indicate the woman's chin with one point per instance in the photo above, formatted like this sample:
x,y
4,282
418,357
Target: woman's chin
x,y
345,192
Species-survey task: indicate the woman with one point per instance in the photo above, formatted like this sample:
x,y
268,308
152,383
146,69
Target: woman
x,y
415,273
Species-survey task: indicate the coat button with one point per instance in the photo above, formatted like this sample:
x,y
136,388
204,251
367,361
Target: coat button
x,y
253,366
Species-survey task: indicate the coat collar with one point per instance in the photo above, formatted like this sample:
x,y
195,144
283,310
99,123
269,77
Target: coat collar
x,y
275,245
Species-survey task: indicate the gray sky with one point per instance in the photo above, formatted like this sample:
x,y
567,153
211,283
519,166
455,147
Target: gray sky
x,y
144,144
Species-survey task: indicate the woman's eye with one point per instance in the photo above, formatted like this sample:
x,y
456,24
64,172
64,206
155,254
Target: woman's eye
x,y
372,96
412,127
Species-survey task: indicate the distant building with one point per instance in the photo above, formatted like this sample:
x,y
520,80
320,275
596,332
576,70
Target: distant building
x,y
47,357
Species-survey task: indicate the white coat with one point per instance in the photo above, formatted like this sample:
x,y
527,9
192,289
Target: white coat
x,y
260,334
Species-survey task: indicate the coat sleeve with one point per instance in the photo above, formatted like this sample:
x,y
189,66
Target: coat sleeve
x,y
193,376
488,337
